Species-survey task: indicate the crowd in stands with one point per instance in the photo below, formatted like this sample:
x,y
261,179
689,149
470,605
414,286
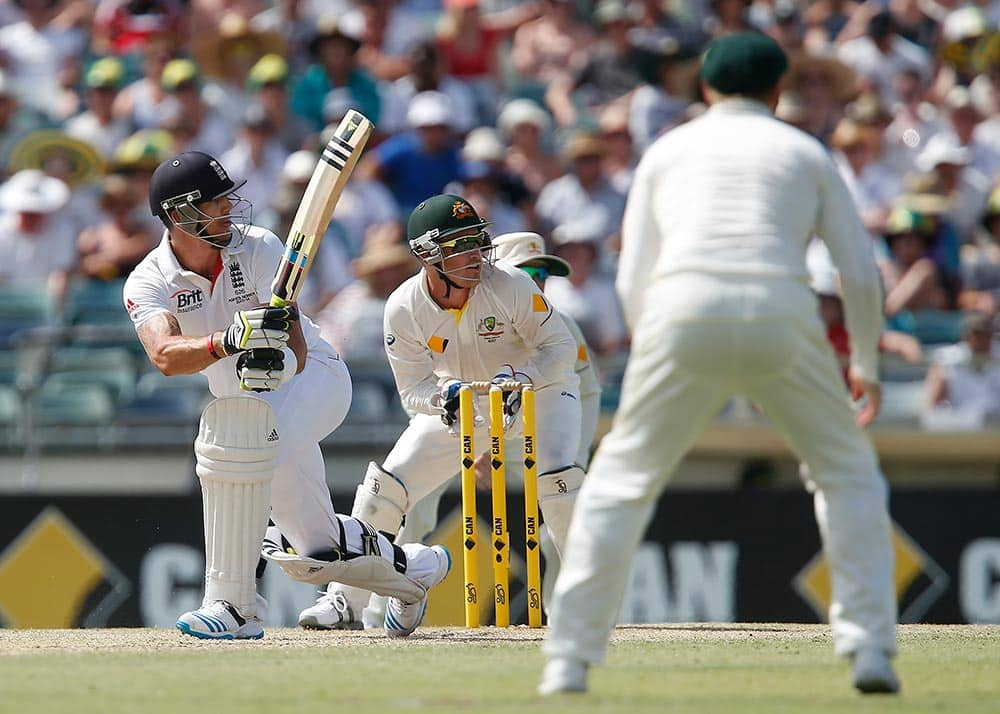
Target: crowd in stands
x,y
535,111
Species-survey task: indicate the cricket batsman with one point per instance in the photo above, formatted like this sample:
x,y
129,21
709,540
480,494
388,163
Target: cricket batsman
x,y
713,281
464,318
198,303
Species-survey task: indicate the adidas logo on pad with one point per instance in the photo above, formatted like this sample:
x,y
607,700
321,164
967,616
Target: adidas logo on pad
x,y
273,436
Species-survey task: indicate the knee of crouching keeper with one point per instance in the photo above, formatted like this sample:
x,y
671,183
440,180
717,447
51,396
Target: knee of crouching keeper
x,y
381,499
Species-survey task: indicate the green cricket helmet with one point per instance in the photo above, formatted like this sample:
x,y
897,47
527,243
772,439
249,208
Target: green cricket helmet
x,y
439,217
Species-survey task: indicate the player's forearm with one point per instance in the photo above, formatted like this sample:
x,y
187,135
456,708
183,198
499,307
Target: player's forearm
x,y
178,354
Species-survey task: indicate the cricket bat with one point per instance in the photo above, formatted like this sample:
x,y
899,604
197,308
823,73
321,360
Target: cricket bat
x,y
313,215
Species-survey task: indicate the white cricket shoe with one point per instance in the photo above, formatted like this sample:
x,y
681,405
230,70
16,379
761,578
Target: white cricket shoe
x,y
873,672
402,618
563,675
332,611
219,620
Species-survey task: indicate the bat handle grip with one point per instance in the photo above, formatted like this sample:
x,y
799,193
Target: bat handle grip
x,y
278,302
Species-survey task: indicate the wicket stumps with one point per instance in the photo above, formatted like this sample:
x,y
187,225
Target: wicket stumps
x,y
499,532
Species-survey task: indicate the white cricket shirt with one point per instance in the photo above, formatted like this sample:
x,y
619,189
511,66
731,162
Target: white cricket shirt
x,y
159,284
506,320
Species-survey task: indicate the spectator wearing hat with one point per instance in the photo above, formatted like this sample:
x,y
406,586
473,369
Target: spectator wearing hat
x,y
226,57
427,74
662,25
267,85
135,159
962,117
468,41
195,125
608,73
485,145
826,86
912,280
421,162
587,296
620,155
874,186
36,239
334,49
981,264
882,53
112,247
966,377
352,321
98,125
543,48
525,126
965,187
584,192
257,156
956,39
35,52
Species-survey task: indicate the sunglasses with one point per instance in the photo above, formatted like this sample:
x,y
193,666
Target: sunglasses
x,y
538,272
465,243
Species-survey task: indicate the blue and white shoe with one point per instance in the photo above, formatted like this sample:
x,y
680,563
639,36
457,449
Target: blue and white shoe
x,y
402,618
219,620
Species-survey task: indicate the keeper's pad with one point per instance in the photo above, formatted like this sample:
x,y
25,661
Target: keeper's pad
x,y
556,497
236,451
380,500
378,566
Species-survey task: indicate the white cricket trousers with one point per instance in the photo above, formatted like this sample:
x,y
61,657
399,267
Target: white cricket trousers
x,y
307,409
708,339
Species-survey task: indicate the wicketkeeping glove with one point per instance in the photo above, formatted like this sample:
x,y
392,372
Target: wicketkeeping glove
x,y
258,328
448,402
262,369
511,398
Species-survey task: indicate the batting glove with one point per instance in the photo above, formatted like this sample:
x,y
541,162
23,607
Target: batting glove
x,y
259,328
264,369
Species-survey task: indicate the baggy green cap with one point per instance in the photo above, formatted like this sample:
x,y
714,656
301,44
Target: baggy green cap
x,y
743,63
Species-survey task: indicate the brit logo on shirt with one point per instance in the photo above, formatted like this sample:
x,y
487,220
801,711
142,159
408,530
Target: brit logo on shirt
x,y
188,300
490,329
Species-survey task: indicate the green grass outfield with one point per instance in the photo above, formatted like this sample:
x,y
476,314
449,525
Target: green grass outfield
x,y
738,669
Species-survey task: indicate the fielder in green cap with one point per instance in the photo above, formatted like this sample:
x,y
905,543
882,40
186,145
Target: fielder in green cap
x,y
712,280
464,318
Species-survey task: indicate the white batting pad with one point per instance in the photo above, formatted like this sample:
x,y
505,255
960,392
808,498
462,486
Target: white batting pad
x,y
236,450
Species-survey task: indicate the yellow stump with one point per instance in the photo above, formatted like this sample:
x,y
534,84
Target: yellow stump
x,y
498,474
531,509
469,539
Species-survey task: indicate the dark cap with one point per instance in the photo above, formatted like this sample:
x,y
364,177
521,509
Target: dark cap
x,y
191,177
440,216
743,63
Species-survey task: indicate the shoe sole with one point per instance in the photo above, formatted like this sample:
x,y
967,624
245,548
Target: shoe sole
x,y
311,623
186,629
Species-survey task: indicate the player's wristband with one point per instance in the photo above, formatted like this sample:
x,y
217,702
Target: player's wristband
x,y
211,346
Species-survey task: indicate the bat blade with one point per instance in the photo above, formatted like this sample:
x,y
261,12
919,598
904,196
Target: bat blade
x,y
333,170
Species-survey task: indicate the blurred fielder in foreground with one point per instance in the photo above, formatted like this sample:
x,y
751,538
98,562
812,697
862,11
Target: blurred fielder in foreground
x,y
196,302
714,285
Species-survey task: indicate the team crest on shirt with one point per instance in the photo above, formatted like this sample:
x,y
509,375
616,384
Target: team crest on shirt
x,y
461,209
188,300
239,284
490,328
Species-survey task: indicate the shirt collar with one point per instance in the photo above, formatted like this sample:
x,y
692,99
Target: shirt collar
x,y
172,268
739,105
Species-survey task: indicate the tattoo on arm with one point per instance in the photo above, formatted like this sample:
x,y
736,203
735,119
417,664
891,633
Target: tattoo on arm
x,y
155,328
